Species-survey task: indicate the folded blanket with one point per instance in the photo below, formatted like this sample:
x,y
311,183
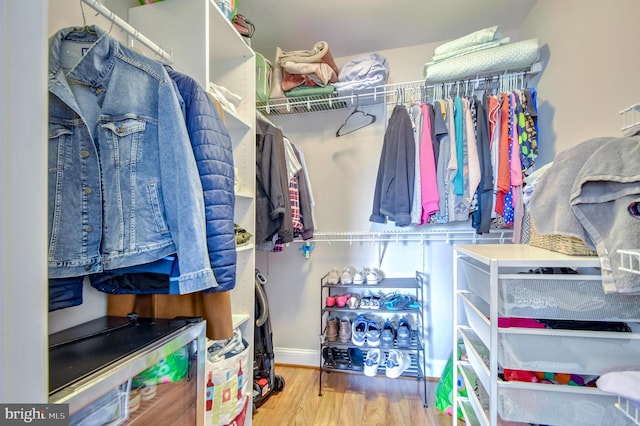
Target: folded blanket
x,y
319,53
305,90
470,49
320,73
276,79
511,56
477,37
605,186
363,72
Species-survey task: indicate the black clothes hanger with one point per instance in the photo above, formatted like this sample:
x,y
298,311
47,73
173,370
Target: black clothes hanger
x,y
357,115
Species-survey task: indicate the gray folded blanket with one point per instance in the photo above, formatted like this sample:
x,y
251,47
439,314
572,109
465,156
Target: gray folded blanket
x,y
585,194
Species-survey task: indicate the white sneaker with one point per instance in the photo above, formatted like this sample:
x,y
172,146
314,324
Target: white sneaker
x,y
397,363
347,276
359,277
372,362
333,277
373,277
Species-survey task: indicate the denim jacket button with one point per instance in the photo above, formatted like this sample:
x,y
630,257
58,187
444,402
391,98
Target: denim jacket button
x,y
87,191
88,229
84,153
122,128
87,267
99,90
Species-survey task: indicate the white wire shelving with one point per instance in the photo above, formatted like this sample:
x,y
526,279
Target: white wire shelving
x,y
397,93
630,260
630,117
442,235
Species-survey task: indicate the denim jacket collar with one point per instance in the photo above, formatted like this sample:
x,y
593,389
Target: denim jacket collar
x,y
92,70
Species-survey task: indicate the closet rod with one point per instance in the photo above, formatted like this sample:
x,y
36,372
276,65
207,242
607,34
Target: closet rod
x,y
104,11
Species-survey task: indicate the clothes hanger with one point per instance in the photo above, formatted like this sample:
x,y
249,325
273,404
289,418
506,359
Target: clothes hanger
x,y
355,114
85,28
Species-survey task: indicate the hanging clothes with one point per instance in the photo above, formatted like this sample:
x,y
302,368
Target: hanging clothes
x,y
101,104
393,194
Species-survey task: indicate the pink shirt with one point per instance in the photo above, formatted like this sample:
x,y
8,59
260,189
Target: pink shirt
x,y
429,185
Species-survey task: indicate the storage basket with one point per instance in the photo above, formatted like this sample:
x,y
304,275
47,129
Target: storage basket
x,y
561,243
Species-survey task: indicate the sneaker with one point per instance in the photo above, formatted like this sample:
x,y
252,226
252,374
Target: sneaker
x,y
375,302
404,333
365,302
331,333
333,277
330,301
388,335
354,302
359,276
355,358
344,333
397,363
347,276
372,362
373,277
373,333
359,330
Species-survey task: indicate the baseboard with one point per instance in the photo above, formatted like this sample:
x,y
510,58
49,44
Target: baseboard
x,y
311,358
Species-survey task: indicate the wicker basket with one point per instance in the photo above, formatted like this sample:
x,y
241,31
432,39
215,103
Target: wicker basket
x,y
560,243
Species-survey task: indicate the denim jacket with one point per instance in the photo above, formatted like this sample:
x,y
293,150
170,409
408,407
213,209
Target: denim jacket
x,y
124,188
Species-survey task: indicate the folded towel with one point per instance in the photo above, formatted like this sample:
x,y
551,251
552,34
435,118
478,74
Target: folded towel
x,y
319,53
603,189
320,73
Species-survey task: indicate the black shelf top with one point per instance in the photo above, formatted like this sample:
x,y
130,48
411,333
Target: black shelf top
x,y
81,350
408,282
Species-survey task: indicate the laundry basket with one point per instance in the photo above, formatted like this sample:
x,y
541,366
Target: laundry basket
x,y
561,243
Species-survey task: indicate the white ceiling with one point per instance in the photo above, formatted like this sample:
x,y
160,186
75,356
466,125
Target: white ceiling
x,y
362,26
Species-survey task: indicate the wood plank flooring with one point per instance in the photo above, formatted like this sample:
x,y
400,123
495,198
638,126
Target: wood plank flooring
x,y
348,400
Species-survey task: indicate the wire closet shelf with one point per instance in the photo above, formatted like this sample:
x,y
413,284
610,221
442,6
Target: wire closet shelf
x,y
398,93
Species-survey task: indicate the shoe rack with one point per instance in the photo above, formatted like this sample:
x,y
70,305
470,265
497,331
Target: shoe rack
x,y
336,355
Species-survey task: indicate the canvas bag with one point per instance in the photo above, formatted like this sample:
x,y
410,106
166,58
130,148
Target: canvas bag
x,y
264,72
229,390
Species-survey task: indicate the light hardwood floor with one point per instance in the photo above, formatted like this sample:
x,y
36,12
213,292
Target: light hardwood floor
x,y
348,400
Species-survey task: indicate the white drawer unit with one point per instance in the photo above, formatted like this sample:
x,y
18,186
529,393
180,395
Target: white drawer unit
x,y
504,281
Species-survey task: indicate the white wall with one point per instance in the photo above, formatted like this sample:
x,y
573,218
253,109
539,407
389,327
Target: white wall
x,y
589,49
23,223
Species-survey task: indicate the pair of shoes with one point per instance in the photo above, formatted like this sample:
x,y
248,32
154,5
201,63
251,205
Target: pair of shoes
x,y
388,335
339,300
403,333
364,330
344,333
370,276
371,362
331,333
333,277
370,302
398,302
397,363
